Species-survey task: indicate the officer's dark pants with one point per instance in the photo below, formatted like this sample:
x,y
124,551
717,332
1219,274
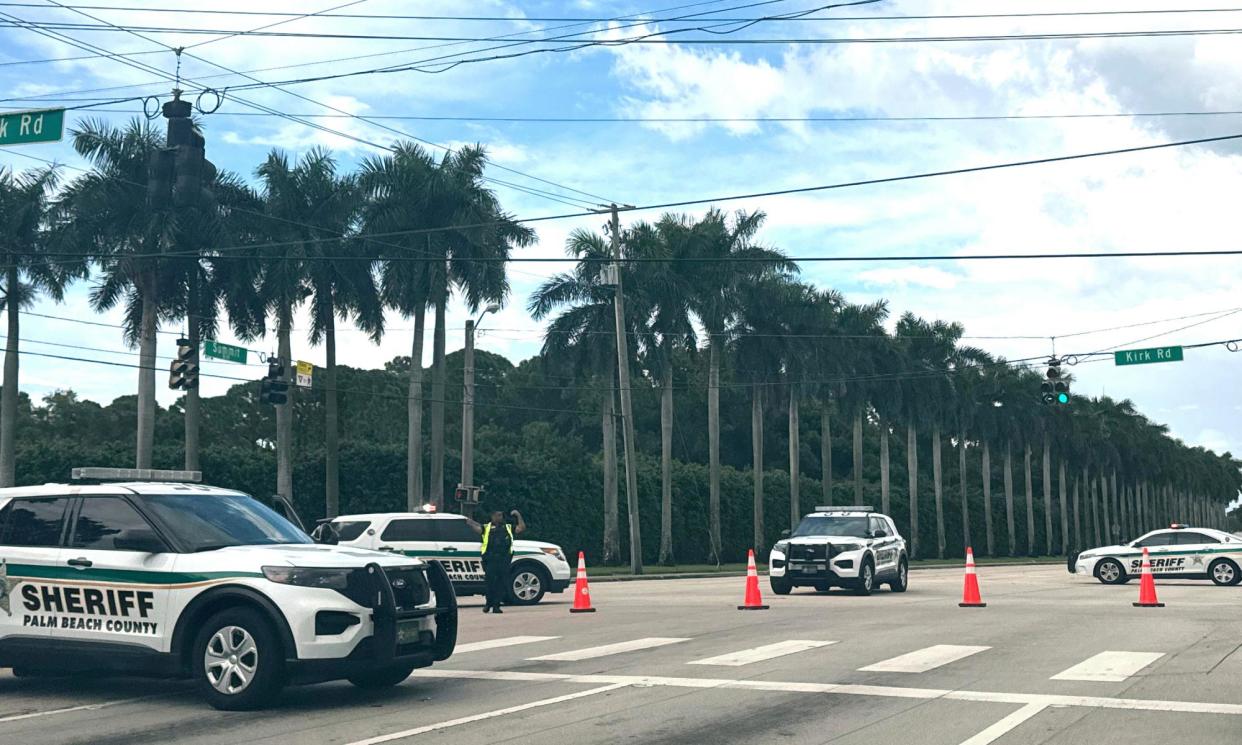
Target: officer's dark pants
x,y
497,570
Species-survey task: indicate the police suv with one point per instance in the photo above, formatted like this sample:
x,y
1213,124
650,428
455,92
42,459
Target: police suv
x,y
852,547
448,541
156,576
1177,551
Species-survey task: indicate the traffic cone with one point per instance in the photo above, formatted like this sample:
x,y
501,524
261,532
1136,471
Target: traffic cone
x,y
970,591
582,593
753,600
1147,586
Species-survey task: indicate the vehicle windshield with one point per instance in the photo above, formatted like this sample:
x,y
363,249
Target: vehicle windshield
x,y
208,522
854,526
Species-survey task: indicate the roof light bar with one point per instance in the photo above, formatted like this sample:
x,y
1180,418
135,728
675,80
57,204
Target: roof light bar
x,y
847,508
97,473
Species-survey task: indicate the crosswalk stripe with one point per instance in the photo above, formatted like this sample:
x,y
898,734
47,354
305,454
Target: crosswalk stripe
x,y
759,654
922,660
507,641
1109,667
591,653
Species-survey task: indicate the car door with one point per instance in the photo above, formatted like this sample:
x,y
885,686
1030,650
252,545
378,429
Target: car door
x,y
120,575
1159,547
1195,551
883,546
412,536
31,533
462,549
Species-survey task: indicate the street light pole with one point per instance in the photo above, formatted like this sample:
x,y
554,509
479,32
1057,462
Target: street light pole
x,y
467,401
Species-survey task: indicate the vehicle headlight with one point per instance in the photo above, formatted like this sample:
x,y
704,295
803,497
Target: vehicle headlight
x,y
327,579
846,547
782,547
1086,555
554,552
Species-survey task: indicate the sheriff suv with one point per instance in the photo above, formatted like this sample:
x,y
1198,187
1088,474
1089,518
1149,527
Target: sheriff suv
x,y
448,541
853,547
157,576
1176,551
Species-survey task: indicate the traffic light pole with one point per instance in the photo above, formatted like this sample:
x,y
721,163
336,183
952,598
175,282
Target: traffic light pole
x,y
627,418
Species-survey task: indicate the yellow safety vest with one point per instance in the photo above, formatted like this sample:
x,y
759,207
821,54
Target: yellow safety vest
x,y
487,531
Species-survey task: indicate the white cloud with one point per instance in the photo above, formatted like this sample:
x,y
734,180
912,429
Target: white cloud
x,y
916,276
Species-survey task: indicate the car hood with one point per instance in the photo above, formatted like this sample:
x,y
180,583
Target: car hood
x,y
818,540
311,555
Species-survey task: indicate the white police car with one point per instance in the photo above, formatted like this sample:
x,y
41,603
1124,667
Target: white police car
x,y
1177,551
852,547
448,541
163,577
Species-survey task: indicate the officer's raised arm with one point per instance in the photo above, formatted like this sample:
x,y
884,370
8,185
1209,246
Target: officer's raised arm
x,y
478,529
521,524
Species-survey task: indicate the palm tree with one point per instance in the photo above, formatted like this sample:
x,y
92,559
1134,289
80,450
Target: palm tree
x,y
26,209
857,362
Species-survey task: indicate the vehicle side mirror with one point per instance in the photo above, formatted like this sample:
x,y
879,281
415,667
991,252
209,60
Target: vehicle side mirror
x,y
142,541
879,534
785,533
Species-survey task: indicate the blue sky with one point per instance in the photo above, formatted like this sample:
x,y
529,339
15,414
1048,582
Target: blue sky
x,y
1182,199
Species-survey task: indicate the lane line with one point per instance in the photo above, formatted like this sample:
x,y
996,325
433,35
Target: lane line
x,y
922,660
991,734
507,641
1046,700
591,653
487,715
759,654
70,709
1109,667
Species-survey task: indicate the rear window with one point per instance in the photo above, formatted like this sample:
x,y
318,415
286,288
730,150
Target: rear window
x,y
350,530
34,522
409,530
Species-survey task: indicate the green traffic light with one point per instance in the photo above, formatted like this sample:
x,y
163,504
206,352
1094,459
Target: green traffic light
x,y
1062,398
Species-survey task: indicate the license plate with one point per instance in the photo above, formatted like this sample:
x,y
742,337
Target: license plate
x,y
806,568
407,632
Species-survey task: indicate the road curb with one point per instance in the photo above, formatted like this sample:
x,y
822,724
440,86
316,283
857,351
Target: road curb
x,y
742,573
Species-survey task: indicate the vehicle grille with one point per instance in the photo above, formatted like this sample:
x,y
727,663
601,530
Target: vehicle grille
x,y
409,587
810,552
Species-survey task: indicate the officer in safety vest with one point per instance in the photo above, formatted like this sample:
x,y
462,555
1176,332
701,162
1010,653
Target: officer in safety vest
x,y
497,554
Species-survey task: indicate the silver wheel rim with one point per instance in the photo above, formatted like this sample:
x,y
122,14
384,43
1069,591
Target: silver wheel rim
x,y
526,586
230,660
1223,573
868,576
901,573
1109,572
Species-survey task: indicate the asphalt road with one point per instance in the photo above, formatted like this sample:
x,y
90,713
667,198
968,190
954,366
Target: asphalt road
x,y
1053,659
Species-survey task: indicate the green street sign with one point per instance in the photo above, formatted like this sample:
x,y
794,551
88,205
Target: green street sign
x,y
23,127
226,352
1148,356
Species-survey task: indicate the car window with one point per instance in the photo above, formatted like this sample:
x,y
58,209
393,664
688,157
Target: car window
x,y
832,525
456,531
104,520
206,523
409,530
1158,539
1185,538
878,524
350,530
34,522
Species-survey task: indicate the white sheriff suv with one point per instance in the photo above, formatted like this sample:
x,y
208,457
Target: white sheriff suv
x,y
447,541
155,576
853,547
1176,551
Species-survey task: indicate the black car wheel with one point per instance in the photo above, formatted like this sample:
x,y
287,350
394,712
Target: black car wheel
x,y
1224,572
866,578
780,585
902,580
382,677
528,583
1110,572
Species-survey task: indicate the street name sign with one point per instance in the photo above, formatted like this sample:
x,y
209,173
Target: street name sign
x,y
226,352
24,127
1148,356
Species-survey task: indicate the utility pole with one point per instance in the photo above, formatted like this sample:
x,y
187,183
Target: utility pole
x,y
627,418
467,402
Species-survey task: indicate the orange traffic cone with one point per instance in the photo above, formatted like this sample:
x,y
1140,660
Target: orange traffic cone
x,y
1147,586
753,600
582,593
970,591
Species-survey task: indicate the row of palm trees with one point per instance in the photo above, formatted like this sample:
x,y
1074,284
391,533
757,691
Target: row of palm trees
x,y
707,286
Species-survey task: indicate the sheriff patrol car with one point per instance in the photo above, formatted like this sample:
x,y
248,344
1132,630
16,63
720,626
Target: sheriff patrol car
x,y
446,540
852,547
1177,551
163,577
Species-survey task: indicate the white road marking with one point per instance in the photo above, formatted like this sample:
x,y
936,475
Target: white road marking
x,y
759,654
991,734
922,660
591,653
507,641
487,715
70,709
1090,702
1109,667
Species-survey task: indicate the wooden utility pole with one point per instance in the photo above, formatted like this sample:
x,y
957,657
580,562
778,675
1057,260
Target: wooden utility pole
x,y
627,418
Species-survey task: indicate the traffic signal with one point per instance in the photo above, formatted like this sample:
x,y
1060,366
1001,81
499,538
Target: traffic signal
x,y
160,177
183,372
193,173
1055,389
274,389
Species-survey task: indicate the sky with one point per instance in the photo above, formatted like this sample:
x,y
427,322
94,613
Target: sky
x,y
1171,199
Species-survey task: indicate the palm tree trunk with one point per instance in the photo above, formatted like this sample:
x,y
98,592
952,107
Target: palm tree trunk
x,y
937,483
795,469
1061,489
961,471
1009,523
1107,523
885,499
858,458
825,452
193,402
146,374
713,448
666,464
414,419
612,538
1030,505
987,497
331,424
1077,519
284,412
912,476
8,395
756,463
1118,514
1093,497
436,487
1047,471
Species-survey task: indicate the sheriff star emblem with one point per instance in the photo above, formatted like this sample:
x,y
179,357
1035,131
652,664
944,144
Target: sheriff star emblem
x,y
6,587
1198,561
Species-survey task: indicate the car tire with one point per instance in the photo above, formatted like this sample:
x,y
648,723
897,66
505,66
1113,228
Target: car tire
x,y
1111,572
238,661
1224,573
381,677
902,580
866,578
780,585
528,583
823,586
